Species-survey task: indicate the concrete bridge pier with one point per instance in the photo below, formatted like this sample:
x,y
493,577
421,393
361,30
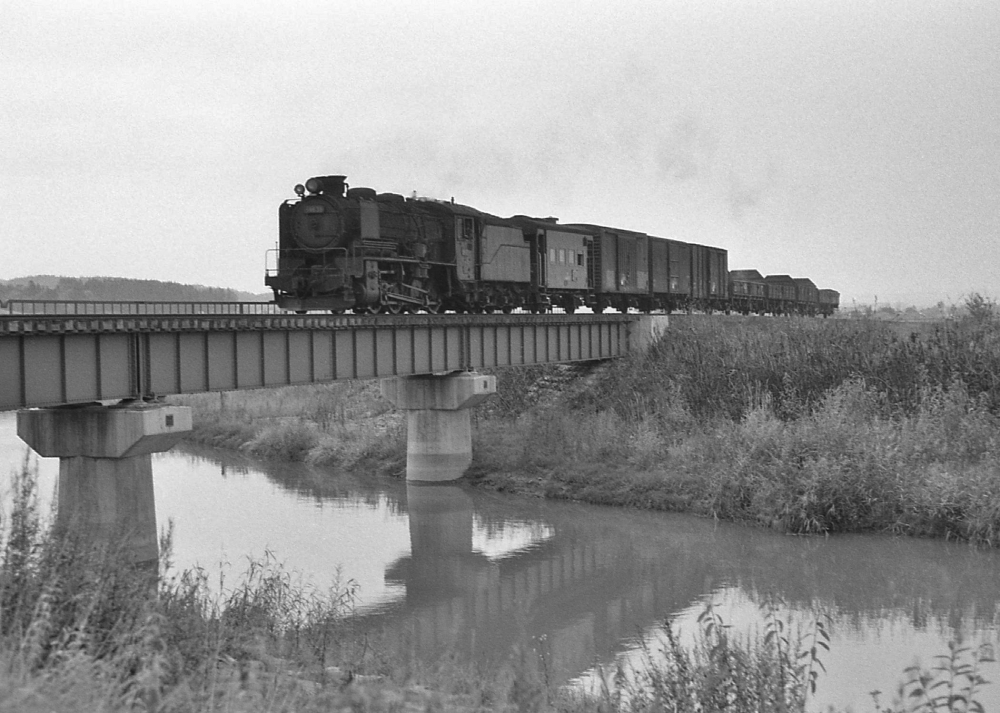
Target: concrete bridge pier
x,y
105,467
438,421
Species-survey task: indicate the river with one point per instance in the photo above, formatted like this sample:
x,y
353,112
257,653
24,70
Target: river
x,y
452,569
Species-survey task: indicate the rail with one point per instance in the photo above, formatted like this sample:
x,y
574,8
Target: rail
x,y
82,308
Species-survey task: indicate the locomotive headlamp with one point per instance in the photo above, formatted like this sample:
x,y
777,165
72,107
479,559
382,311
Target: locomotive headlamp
x,y
334,185
300,190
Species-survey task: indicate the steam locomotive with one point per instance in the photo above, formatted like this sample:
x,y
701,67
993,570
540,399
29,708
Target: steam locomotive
x,y
342,248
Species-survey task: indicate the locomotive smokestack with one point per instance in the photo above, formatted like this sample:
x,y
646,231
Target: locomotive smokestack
x,y
335,185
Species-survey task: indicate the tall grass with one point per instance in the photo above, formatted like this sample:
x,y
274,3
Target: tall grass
x,y
82,629
727,368
807,426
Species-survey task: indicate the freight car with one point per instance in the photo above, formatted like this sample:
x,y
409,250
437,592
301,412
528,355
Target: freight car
x,y
748,292
342,248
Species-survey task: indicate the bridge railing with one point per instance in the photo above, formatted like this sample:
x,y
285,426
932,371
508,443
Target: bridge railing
x,y
81,308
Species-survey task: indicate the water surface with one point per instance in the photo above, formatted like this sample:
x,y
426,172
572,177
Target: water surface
x,y
451,569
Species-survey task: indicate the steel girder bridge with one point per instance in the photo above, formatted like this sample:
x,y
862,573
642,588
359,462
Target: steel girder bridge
x,y
55,353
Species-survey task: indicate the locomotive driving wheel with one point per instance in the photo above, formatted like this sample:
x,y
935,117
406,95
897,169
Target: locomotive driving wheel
x,y
432,302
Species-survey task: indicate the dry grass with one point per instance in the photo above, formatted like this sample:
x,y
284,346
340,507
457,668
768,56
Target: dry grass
x,y
344,424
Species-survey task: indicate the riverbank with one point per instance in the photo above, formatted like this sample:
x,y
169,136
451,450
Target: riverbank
x,y
806,426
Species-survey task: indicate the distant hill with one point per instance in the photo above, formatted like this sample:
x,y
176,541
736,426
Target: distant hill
x,y
53,287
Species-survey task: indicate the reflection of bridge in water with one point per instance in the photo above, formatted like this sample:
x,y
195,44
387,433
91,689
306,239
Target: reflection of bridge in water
x,y
602,575
598,580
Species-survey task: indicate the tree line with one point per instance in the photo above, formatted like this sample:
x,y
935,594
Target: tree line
x,y
44,287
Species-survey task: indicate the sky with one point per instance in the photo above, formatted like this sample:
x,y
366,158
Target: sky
x,y
853,142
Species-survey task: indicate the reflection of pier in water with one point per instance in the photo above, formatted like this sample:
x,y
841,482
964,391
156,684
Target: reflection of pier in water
x,y
583,590
601,575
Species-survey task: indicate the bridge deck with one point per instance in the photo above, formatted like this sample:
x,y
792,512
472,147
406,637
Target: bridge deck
x,y
48,360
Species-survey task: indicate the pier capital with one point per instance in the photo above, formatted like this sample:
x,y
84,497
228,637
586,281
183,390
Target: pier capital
x,y
96,431
447,392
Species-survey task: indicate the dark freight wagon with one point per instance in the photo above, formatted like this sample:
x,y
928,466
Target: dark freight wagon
x,y
670,273
709,278
806,296
781,295
619,267
829,301
747,291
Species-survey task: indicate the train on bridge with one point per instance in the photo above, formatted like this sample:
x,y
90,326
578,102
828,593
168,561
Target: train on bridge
x,y
342,248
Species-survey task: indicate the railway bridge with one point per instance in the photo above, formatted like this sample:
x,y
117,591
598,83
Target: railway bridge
x,y
61,362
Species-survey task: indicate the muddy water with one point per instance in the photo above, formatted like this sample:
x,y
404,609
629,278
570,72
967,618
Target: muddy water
x,y
450,569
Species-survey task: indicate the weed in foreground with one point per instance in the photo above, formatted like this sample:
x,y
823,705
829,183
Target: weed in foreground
x,y
721,670
949,686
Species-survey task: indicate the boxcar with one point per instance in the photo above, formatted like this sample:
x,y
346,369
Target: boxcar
x,y
670,273
619,267
709,278
806,296
781,298
747,291
829,302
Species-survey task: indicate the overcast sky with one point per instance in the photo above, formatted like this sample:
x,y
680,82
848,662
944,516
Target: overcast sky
x,y
856,143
